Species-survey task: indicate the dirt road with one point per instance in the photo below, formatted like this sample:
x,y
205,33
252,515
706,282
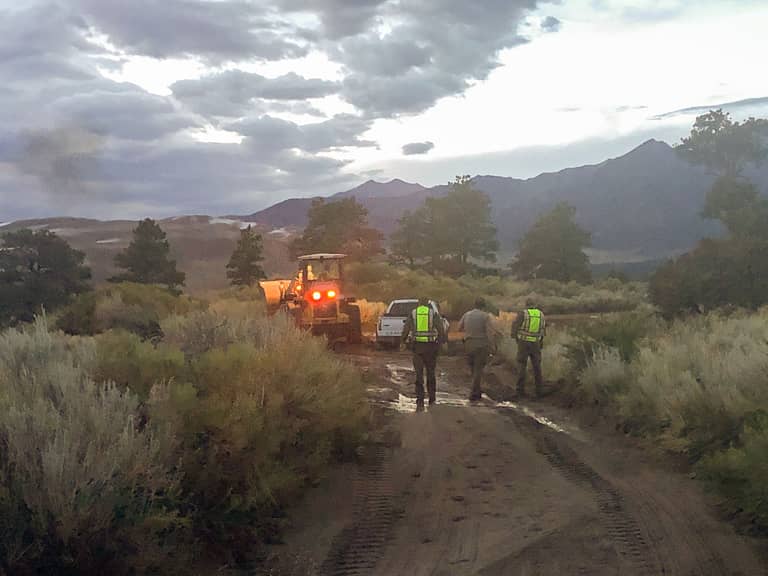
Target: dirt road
x,y
506,489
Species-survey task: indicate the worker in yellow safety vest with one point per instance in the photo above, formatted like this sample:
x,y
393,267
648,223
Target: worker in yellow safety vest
x,y
424,331
529,331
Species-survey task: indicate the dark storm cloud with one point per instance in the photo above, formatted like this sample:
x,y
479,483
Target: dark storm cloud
x,y
415,148
270,135
431,50
77,142
133,115
236,93
44,43
551,24
213,30
340,18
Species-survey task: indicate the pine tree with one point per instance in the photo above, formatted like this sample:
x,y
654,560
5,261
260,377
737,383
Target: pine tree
x,y
244,267
147,258
38,270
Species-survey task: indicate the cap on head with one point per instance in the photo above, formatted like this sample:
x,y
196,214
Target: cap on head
x,y
530,302
480,303
423,301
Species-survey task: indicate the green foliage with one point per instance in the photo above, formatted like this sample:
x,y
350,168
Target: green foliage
x,y
717,273
244,267
739,206
194,447
339,227
554,248
697,387
622,333
448,231
732,271
147,258
382,282
137,308
740,472
261,428
83,485
723,145
38,270
136,365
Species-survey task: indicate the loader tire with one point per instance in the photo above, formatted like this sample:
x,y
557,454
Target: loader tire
x,y
355,330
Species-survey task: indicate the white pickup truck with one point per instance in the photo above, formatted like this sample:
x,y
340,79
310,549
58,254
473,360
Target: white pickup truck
x,y
389,330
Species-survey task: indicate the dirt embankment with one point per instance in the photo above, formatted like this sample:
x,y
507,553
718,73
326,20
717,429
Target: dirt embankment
x,y
505,489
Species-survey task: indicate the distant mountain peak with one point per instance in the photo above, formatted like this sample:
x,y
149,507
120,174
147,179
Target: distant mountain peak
x,y
652,143
394,188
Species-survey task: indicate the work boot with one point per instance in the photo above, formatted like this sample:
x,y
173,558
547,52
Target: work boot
x,y
420,405
432,401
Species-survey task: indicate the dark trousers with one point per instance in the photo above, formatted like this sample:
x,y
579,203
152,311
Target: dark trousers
x,y
477,358
530,350
425,357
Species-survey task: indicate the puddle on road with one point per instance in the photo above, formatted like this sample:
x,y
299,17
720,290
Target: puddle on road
x,y
402,376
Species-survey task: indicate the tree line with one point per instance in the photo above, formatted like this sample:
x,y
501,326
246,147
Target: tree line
x,y
452,234
40,271
732,270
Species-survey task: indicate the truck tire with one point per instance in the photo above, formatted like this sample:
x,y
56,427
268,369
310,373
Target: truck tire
x,y
355,330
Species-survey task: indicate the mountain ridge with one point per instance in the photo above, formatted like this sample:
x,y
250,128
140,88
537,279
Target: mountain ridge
x,y
643,204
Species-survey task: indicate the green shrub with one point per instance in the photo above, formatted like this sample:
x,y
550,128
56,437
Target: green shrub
x,y
137,308
134,364
263,427
457,295
622,332
741,472
606,376
83,485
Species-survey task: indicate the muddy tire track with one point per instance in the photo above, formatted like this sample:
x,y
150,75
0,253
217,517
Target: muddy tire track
x,y
358,548
627,535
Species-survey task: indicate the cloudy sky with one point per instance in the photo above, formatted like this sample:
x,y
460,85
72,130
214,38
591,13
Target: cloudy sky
x,y
119,109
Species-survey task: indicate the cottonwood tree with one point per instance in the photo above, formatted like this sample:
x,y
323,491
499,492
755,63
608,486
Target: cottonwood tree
x,y
731,270
554,248
244,267
448,232
147,259
339,226
725,146
38,271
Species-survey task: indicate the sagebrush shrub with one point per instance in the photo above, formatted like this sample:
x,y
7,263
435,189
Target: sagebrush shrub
x,y
76,464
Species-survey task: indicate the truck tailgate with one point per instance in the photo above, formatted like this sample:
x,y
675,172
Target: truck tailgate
x,y
390,326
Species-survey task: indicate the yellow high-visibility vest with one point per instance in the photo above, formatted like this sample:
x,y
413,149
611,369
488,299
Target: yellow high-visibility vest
x,y
424,329
532,328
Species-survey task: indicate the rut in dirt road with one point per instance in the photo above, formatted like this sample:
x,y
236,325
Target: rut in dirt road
x,y
357,549
628,538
